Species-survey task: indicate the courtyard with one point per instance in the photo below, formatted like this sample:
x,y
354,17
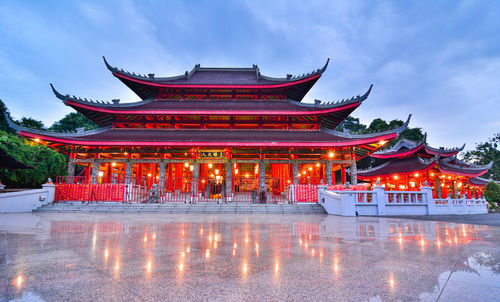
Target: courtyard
x,y
216,257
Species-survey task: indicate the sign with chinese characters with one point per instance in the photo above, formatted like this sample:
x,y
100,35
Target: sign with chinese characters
x,y
212,154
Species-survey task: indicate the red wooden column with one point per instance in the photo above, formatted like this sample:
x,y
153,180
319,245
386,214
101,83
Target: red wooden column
x,y
342,174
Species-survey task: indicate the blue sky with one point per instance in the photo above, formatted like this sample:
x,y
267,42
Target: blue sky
x,y
439,60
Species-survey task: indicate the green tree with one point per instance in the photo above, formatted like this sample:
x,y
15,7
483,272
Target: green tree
x,y
29,122
46,162
72,121
492,192
484,153
352,124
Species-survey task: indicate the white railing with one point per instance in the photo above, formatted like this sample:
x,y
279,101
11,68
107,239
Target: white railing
x,y
380,202
404,197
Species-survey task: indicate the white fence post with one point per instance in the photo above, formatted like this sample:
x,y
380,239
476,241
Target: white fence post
x,y
50,187
427,193
381,199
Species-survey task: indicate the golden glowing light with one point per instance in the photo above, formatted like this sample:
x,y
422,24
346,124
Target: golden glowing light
x,y
201,231
396,177
382,142
207,253
392,283
313,252
19,281
246,175
202,181
422,242
416,174
236,171
181,266
125,153
310,168
234,252
210,165
216,171
37,140
215,244
216,237
148,266
154,236
117,266
246,240
317,165
276,267
188,249
245,268
186,164
145,238
106,253
335,265
191,168
331,154
113,164
235,245
432,174
149,174
100,174
183,255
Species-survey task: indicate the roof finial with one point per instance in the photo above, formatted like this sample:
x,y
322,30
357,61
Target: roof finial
x,y
58,95
107,64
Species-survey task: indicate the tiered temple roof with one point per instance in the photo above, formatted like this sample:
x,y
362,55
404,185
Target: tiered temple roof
x,y
216,107
408,157
150,86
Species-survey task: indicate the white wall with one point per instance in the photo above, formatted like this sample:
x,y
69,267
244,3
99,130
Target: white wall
x,y
28,200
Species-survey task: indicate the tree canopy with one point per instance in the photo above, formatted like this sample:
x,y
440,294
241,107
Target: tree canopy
x,y
72,121
492,192
47,162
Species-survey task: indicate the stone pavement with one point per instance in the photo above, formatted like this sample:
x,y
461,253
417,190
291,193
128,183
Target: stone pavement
x,y
492,219
215,257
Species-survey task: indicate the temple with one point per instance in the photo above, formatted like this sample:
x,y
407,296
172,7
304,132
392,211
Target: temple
x,y
408,165
223,133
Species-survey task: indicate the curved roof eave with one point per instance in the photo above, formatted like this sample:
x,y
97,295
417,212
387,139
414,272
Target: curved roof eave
x,y
152,79
393,152
396,131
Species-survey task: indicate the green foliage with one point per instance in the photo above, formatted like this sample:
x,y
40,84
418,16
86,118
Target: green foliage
x,y
484,154
492,192
47,162
352,124
71,122
29,122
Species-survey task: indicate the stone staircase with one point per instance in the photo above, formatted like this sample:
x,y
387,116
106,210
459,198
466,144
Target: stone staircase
x,y
174,208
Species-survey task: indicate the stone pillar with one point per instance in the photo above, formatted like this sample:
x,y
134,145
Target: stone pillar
x,y
262,175
380,196
328,172
437,183
229,180
128,172
95,170
295,172
195,180
161,180
354,169
71,167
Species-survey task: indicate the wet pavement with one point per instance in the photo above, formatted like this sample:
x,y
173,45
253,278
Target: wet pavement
x,y
163,257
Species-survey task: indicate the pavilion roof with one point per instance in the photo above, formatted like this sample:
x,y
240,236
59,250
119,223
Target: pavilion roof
x,y
9,162
101,112
455,166
406,147
217,77
108,136
481,182
415,163
402,166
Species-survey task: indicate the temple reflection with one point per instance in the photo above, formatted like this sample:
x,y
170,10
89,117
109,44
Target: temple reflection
x,y
341,248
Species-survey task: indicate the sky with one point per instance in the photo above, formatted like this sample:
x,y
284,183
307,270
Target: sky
x,y
437,60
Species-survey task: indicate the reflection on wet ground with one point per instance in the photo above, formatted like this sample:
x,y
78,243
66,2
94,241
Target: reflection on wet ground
x,y
66,257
